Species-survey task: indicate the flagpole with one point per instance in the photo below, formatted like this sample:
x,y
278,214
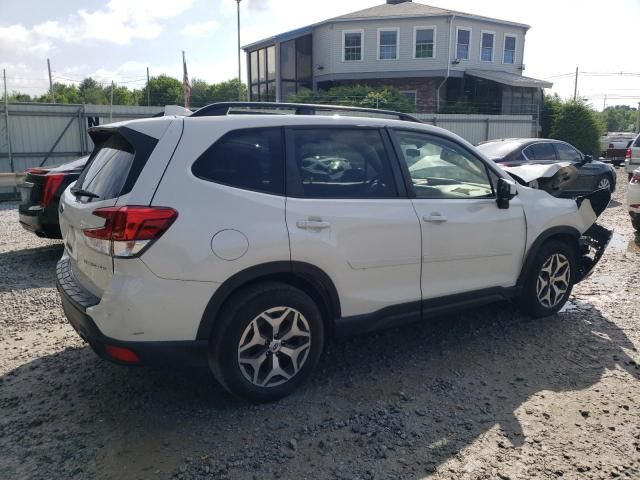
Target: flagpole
x,y
186,88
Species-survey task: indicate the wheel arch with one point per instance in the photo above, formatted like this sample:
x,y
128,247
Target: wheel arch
x,y
565,234
304,276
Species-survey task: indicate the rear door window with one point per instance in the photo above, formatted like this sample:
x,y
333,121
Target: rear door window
x,y
567,153
251,159
540,151
342,163
108,169
637,142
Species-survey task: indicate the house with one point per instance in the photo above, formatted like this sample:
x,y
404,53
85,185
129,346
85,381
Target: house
x,y
437,57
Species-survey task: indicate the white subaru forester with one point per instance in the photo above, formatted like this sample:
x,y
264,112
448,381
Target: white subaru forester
x,y
247,240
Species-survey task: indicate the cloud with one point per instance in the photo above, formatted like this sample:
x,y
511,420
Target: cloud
x,y
200,29
17,38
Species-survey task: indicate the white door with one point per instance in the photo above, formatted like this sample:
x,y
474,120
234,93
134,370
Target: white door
x,y
468,243
345,215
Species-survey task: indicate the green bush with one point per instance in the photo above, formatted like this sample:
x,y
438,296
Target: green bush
x,y
576,124
384,98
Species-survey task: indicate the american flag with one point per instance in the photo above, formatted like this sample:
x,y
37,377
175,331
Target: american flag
x,y
186,86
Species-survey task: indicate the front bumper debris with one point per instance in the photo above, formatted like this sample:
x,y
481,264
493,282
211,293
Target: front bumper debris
x,y
592,246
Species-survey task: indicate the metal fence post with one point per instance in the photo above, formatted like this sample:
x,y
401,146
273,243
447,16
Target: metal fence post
x,y
486,129
80,132
6,121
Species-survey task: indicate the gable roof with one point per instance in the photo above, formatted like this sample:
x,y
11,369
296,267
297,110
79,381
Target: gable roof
x,y
412,9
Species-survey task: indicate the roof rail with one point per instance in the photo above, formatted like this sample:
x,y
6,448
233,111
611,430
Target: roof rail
x,y
224,108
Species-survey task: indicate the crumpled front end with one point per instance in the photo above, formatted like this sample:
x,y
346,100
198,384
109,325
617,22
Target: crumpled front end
x,y
595,239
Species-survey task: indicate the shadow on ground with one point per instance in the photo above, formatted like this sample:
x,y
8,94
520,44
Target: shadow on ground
x,y
29,268
400,402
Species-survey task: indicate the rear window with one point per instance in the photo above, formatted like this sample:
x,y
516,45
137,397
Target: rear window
x,y
498,151
108,168
637,142
251,159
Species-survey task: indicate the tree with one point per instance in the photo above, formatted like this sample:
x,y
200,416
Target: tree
x,y
92,92
165,90
551,105
227,91
576,124
618,118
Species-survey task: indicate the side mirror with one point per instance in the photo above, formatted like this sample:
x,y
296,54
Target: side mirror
x,y
588,158
505,192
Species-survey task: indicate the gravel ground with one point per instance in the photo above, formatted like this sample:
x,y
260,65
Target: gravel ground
x,y
484,394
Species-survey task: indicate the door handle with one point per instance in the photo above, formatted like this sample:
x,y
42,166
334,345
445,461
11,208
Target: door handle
x,y
312,224
434,218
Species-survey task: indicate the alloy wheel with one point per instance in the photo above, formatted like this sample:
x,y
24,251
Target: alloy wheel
x,y
553,280
604,183
274,346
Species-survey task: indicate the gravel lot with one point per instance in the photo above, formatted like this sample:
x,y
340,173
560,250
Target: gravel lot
x,y
485,394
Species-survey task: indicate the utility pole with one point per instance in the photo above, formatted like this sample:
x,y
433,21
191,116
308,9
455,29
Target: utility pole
x,y
604,103
6,119
239,69
575,87
148,89
53,97
111,104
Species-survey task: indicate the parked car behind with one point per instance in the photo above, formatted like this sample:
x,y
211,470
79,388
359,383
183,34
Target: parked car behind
x,y
514,152
40,195
615,147
247,240
632,160
633,199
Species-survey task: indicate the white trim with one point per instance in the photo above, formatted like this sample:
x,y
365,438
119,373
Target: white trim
x,y
389,29
470,30
361,32
515,48
493,45
415,36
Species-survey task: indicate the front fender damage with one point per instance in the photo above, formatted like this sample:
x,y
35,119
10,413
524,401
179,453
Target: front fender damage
x,y
595,239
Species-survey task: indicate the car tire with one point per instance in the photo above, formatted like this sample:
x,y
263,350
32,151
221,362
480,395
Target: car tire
x,y
604,180
635,221
548,284
269,339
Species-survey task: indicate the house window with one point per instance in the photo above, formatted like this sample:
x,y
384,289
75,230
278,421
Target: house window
x,y
462,43
262,74
295,66
488,39
509,55
388,44
425,42
411,96
352,42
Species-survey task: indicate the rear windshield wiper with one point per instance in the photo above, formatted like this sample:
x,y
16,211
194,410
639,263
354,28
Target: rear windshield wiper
x,y
79,192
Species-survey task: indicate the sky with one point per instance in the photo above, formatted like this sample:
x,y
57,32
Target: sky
x,y
115,40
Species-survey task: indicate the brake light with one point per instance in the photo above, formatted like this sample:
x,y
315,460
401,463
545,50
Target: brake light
x,y
51,185
128,231
628,155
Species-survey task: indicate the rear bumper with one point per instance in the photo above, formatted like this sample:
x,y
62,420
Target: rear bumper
x,y
76,300
39,222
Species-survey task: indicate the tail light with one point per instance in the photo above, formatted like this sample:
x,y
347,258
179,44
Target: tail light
x,y
628,155
51,185
121,354
129,230
611,146
37,171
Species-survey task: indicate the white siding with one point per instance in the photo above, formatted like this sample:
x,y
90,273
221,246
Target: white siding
x,y
327,46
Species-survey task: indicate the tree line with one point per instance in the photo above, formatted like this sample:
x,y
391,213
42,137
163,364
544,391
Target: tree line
x,y
159,91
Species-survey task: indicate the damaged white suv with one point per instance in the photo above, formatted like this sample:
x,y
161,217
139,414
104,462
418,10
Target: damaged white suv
x,y
247,240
